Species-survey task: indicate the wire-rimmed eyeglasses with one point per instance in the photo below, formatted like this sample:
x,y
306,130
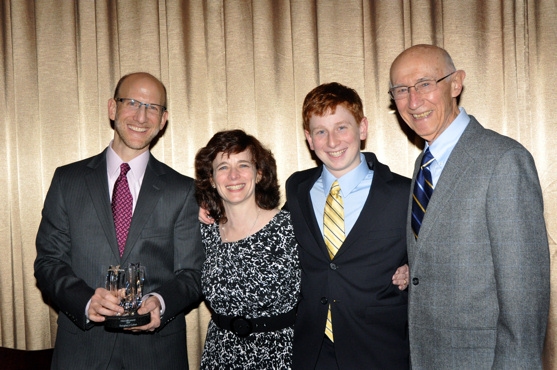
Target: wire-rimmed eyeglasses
x,y
422,87
133,104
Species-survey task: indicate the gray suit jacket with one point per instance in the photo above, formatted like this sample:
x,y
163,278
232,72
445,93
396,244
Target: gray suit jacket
x,y
479,292
76,243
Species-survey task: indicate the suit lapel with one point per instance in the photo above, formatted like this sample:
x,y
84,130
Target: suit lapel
x,y
149,195
453,173
376,201
306,207
97,184
411,241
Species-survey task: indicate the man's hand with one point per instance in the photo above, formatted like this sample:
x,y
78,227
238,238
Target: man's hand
x,y
103,303
150,305
401,277
204,216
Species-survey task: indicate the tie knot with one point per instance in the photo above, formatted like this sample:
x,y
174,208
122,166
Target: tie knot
x,y
335,188
124,169
427,158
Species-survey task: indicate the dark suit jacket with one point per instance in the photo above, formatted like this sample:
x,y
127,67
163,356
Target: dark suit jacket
x,y
479,296
76,243
369,313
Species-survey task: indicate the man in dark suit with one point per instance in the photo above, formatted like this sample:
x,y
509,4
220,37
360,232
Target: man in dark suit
x,y
479,257
367,312
77,241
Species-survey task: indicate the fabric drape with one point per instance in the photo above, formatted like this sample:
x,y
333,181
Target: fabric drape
x,y
245,64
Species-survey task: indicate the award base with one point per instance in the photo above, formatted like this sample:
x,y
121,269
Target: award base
x,y
129,321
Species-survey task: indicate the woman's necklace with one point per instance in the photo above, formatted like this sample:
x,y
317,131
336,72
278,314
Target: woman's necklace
x,y
223,231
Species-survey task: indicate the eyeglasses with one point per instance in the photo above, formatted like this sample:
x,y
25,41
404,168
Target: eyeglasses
x,y
422,87
132,104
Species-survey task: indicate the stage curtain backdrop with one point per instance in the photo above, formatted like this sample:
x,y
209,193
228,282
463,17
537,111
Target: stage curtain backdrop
x,y
245,64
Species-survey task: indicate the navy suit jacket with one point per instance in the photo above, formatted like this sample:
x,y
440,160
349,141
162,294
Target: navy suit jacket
x,y
369,313
76,243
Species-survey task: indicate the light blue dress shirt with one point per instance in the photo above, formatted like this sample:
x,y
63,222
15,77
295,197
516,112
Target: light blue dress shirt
x,y
443,146
354,188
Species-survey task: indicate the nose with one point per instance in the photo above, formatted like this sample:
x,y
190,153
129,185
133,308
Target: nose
x,y
414,98
332,140
141,113
233,173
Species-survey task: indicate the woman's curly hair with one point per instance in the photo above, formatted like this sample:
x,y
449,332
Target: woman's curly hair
x,y
267,193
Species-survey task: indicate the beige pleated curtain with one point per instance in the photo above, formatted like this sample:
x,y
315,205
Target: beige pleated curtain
x,y
245,64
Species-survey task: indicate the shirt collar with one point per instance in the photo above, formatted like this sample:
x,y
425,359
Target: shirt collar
x,y
137,165
443,146
349,181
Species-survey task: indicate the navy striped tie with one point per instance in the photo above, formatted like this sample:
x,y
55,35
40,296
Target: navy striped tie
x,y
423,189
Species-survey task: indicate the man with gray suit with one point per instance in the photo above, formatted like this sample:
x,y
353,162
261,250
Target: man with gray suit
x,y
79,237
477,243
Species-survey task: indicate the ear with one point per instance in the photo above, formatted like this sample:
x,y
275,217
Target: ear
x,y
363,128
309,139
112,109
457,83
258,177
164,118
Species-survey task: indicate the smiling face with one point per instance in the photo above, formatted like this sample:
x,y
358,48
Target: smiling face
x,y
335,138
234,177
429,114
134,129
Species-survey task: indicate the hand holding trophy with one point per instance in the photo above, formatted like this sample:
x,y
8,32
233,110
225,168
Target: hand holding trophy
x,y
127,284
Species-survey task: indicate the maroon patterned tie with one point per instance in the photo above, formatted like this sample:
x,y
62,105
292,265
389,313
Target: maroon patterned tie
x,y
122,204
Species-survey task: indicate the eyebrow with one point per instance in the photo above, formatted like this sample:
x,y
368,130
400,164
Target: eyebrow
x,y
228,162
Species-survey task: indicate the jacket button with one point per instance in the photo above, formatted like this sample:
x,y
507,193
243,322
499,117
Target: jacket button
x,y
415,281
324,300
333,266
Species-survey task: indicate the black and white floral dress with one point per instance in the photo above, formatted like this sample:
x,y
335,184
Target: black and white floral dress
x,y
253,277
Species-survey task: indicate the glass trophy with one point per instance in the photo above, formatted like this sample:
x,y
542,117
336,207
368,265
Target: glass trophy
x,y
127,284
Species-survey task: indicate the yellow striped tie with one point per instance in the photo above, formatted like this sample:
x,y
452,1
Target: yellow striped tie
x,y
333,230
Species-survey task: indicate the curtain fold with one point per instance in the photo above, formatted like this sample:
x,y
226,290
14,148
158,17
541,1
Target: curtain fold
x,y
245,64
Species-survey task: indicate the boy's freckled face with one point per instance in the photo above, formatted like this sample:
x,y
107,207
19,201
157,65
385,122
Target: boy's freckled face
x,y
335,138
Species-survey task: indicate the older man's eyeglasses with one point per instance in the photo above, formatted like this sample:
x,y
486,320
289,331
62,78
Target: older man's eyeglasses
x,y
150,108
422,87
